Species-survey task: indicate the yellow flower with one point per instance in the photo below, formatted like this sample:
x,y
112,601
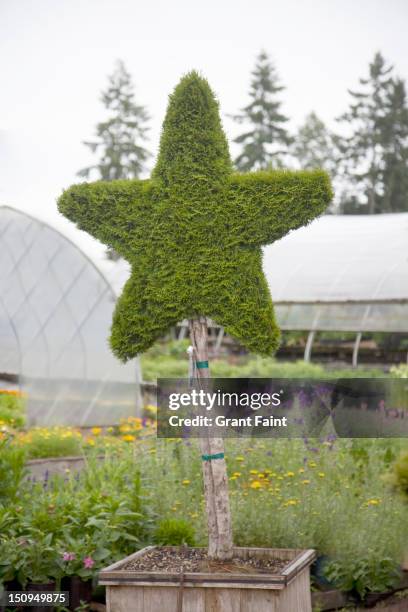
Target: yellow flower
x,y
290,474
233,477
96,430
261,475
301,471
291,502
322,474
150,408
305,482
109,429
237,474
240,458
186,482
253,471
312,464
255,484
91,441
280,477
128,438
373,502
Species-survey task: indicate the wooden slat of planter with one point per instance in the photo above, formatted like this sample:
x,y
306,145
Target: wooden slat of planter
x,y
242,581
193,600
222,600
155,599
258,601
297,595
302,560
124,599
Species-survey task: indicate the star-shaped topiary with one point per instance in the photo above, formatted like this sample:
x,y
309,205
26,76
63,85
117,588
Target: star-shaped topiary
x,y
193,232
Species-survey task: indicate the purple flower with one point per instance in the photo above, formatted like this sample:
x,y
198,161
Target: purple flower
x,y
68,556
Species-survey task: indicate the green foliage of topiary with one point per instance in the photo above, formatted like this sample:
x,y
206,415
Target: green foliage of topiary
x,y
193,232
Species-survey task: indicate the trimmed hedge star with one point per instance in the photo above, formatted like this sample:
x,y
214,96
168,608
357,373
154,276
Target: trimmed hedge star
x,y
193,232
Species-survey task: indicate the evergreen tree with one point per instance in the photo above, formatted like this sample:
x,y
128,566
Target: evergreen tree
x,y
266,141
314,145
363,151
395,131
120,136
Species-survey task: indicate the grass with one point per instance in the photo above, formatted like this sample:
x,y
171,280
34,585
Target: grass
x,y
170,360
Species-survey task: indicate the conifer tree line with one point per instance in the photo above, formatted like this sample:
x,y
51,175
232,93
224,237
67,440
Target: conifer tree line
x,y
367,157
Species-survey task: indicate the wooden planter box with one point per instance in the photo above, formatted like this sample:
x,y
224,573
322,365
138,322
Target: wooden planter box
x,y
137,591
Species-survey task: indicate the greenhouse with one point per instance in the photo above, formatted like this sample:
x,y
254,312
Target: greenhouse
x,y
55,313
341,273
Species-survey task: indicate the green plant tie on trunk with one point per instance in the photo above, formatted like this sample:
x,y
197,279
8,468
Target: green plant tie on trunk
x,y
201,365
212,457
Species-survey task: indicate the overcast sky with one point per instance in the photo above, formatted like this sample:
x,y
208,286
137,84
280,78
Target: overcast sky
x,y
55,56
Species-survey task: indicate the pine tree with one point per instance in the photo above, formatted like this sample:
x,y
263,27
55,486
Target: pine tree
x,y
119,138
267,140
362,153
314,145
395,131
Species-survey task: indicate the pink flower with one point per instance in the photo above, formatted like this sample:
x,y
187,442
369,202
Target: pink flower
x,y
68,556
89,562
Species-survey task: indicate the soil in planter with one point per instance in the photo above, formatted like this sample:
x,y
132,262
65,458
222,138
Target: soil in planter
x,y
196,560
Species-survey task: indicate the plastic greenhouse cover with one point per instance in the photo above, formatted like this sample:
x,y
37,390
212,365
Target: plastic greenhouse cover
x,y
55,313
345,273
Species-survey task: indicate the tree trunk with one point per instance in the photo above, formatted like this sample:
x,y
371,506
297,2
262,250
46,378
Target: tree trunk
x,y
212,450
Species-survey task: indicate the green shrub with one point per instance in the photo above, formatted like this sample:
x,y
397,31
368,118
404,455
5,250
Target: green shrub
x,y
174,532
12,409
369,573
12,461
40,442
164,362
400,371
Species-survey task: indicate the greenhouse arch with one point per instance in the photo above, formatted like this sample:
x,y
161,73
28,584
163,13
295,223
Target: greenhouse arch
x,y
55,313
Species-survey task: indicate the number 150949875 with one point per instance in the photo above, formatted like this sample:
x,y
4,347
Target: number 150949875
x,y
34,598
